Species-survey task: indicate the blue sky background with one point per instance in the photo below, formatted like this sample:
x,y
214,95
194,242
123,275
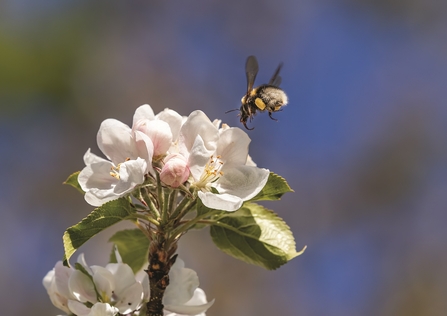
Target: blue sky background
x,y
362,141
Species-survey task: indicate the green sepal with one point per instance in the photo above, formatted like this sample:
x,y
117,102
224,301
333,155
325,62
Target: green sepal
x,y
73,181
274,189
255,235
133,246
99,219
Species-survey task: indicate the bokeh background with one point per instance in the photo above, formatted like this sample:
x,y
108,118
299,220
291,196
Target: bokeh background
x,y
363,141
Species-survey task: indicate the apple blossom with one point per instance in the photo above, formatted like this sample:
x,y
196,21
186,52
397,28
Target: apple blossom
x,y
229,170
182,296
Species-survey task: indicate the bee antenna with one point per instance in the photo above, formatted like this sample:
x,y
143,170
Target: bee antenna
x,y
231,111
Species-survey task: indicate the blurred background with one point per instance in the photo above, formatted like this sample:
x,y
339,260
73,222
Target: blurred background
x,y
363,141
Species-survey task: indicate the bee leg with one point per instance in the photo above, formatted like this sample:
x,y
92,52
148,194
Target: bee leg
x,y
245,124
270,114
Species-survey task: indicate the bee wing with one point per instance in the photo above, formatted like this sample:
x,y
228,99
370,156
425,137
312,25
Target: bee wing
x,y
276,79
251,70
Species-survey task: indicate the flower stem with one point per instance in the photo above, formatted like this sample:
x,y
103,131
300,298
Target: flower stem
x,y
161,259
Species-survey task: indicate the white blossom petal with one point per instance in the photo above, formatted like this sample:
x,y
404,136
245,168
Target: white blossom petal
x,y
143,112
90,158
78,308
196,306
97,175
104,282
130,298
103,309
233,146
224,202
115,139
182,283
173,119
131,174
198,124
242,181
82,287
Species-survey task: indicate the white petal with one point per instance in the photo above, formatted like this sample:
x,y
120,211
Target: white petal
x,y
99,197
198,158
143,112
104,282
97,175
146,287
78,308
233,146
224,202
82,287
197,306
115,139
242,181
145,149
83,263
90,158
62,275
123,273
130,298
198,123
103,309
131,174
182,283
173,119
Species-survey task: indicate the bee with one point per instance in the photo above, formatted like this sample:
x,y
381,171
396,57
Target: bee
x,y
267,97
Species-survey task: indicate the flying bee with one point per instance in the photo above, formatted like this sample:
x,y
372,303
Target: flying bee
x,y
267,97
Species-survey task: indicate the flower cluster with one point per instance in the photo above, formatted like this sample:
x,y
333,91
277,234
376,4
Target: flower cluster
x,y
114,289
183,151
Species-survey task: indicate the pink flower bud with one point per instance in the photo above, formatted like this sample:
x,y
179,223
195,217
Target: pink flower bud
x,y
175,171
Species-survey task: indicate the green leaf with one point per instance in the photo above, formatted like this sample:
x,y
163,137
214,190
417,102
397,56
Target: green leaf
x,y
255,235
275,187
133,246
73,181
99,219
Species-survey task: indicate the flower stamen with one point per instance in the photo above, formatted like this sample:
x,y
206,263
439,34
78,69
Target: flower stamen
x,y
211,173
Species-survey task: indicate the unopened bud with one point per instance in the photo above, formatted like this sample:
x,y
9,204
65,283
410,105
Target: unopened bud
x,y
175,171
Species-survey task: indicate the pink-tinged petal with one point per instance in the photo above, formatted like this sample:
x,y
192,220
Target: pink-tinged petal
x,y
173,119
143,112
233,146
224,202
196,124
103,309
81,287
242,181
104,282
97,175
197,306
130,299
115,139
78,308
182,284
159,132
175,170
